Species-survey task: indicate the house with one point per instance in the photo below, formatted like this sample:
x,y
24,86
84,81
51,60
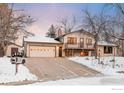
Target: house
x,y
78,43
40,46
81,43
106,49
12,49
17,45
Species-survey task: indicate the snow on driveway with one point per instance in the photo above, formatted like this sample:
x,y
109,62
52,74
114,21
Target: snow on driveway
x,y
7,72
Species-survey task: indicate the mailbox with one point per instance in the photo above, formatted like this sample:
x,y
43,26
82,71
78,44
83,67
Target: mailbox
x,y
17,60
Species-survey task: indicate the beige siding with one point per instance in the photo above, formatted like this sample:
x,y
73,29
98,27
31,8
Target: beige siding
x,y
101,52
56,46
19,41
85,36
8,52
89,53
79,35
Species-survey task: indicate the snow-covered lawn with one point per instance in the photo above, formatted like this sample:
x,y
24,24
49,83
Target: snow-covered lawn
x,y
104,80
7,72
106,68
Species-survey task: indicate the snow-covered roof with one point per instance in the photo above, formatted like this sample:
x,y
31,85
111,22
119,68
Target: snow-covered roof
x,y
104,43
41,39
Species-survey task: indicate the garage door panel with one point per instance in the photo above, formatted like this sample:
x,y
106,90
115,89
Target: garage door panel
x,y
39,51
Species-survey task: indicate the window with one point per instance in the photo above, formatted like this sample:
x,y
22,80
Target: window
x,y
89,41
71,40
81,42
108,49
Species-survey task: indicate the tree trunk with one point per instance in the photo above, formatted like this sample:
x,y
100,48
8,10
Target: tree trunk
x,y
95,46
5,50
122,48
4,47
95,51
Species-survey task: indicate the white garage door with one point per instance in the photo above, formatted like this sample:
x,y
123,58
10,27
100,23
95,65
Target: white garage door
x,y
40,51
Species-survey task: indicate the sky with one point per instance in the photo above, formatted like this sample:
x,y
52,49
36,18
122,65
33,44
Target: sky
x,y
46,14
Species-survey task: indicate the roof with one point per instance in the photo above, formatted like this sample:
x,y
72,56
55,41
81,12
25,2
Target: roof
x,y
104,43
81,31
10,43
41,39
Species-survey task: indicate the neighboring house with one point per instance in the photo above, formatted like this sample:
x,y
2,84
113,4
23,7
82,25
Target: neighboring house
x,y
17,45
106,49
39,46
78,43
12,49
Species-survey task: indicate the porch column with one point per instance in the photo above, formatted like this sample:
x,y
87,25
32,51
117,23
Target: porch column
x,y
55,51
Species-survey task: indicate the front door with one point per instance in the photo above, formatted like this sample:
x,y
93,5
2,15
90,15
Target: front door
x,y
81,42
1,52
60,51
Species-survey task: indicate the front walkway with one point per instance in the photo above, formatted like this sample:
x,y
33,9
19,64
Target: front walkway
x,y
57,68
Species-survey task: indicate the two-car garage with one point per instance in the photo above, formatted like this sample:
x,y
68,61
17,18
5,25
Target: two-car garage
x,y
42,47
41,51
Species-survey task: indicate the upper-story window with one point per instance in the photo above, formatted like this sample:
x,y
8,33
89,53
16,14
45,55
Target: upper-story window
x,y
71,40
89,41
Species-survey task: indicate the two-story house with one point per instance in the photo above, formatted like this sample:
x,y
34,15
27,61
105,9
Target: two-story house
x,y
78,43
81,43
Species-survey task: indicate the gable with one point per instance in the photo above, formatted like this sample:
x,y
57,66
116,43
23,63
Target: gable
x,y
79,32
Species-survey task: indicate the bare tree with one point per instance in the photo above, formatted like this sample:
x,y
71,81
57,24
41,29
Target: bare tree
x,y
119,7
117,20
116,25
67,25
11,21
95,24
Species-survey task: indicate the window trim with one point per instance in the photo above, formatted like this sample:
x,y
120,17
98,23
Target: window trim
x,y
109,50
73,41
89,41
82,42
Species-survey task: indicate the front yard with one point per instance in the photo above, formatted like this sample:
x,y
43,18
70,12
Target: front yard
x,y
106,65
7,72
64,68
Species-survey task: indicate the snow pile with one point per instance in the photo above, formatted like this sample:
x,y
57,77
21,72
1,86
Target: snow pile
x,y
7,72
106,68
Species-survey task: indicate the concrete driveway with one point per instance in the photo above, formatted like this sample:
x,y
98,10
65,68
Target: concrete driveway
x,y
57,68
